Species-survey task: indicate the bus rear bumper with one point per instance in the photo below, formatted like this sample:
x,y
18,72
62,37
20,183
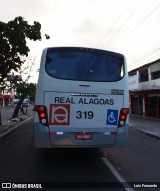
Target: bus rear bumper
x,y
44,139
122,137
41,136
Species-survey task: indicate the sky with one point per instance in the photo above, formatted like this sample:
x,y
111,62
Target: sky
x,y
130,27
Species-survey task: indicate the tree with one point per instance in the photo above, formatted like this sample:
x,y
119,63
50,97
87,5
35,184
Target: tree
x,y
14,49
24,90
30,90
22,86
13,46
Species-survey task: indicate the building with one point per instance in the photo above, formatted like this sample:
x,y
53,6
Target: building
x,y
144,90
6,97
7,94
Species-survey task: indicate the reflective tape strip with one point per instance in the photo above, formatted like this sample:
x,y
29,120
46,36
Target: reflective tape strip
x,y
56,133
59,133
107,133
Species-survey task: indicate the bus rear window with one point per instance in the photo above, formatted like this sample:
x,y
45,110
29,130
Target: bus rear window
x,y
84,66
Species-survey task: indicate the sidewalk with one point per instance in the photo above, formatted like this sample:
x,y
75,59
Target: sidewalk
x,y
6,113
145,125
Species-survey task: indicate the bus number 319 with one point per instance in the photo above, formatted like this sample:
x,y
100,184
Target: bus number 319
x,y
85,115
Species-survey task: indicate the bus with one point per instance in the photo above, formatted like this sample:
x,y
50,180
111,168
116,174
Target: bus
x,y
81,99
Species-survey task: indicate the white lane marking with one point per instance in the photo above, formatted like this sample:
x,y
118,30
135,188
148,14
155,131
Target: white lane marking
x,y
116,174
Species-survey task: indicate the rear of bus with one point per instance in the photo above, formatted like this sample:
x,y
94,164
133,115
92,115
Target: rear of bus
x,y
81,99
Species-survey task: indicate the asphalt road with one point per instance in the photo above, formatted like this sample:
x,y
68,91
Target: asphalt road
x,y
140,161
20,162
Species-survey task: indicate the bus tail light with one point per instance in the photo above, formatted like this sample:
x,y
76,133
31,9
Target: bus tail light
x,y
42,114
123,116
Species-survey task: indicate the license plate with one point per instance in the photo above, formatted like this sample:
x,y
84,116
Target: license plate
x,y
83,136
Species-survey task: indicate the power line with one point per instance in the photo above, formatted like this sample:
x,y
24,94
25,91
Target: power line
x,y
150,58
118,30
140,23
122,12
147,54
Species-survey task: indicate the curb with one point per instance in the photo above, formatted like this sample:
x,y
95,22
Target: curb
x,y
9,129
143,118
145,132
148,133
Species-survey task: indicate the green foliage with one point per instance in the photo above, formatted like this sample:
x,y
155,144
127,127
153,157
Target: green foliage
x,y
13,46
28,89
31,89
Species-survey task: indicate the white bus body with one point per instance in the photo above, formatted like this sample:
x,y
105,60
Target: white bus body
x,y
81,99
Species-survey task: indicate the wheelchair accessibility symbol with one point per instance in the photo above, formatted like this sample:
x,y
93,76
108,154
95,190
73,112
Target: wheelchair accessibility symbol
x,y
112,117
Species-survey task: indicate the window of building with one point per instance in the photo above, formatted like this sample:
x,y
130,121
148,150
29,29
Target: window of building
x,y
155,75
132,73
143,75
153,106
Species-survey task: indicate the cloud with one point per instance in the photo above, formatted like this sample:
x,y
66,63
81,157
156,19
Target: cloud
x,y
131,27
28,9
